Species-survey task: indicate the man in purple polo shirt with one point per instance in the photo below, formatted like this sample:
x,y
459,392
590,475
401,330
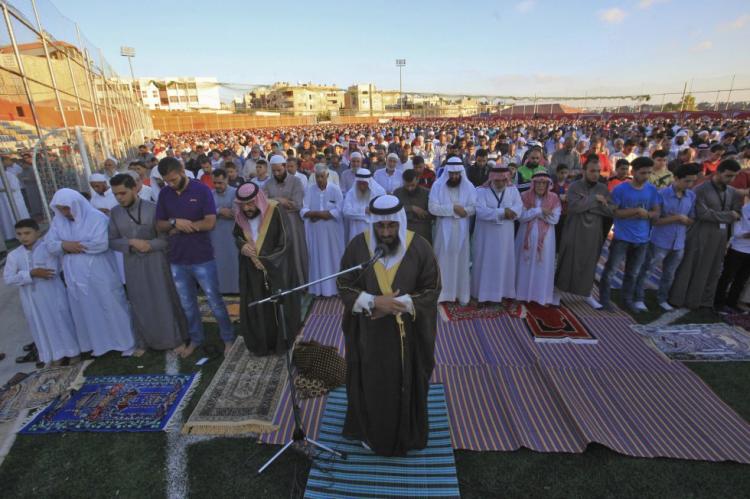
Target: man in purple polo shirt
x,y
187,212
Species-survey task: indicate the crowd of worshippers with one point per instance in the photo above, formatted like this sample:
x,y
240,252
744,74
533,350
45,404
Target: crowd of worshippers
x,y
514,210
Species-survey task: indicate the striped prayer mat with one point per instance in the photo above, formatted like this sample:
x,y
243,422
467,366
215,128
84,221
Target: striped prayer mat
x,y
430,472
504,391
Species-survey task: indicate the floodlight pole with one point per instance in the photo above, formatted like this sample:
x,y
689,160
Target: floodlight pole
x,y
400,63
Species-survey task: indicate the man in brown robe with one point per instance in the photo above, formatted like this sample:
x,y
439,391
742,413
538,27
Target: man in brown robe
x,y
415,199
289,192
389,329
582,237
261,233
717,207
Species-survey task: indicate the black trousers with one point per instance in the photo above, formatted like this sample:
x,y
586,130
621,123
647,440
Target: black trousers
x,y
734,275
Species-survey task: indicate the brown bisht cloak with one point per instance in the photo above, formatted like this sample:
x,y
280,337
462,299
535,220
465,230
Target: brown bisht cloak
x,y
582,238
387,380
259,325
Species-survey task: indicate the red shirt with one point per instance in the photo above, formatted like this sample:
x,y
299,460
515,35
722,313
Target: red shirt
x,y
208,180
709,167
614,182
427,178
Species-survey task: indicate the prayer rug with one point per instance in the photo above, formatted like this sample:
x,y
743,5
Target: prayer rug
x,y
242,396
504,391
233,307
702,342
555,325
430,472
454,311
135,403
38,388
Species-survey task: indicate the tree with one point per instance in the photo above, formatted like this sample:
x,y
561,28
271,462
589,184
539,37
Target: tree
x,y
687,103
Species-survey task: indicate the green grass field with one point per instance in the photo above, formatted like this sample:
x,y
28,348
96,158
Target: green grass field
x,y
94,465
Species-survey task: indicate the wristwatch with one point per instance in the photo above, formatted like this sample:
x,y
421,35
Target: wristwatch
x,y
172,222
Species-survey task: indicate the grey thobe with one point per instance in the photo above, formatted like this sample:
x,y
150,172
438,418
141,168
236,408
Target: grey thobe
x,y
420,198
293,189
582,237
31,190
225,251
706,243
158,319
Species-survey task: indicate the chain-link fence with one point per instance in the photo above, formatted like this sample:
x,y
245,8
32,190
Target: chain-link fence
x,y
62,107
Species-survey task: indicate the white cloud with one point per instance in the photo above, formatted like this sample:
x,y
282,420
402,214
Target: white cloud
x,y
702,46
647,4
525,5
613,15
738,23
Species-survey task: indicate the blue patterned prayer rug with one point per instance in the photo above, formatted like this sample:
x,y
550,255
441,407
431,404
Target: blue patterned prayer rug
x,y
703,342
430,472
143,402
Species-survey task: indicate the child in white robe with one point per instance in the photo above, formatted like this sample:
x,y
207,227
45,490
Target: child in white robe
x,y
43,297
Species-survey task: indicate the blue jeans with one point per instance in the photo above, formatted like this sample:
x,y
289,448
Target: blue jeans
x,y
633,254
207,277
670,260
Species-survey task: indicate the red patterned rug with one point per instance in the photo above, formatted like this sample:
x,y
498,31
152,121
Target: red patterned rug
x,y
556,325
453,311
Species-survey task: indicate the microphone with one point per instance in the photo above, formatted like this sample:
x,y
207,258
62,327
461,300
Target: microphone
x,y
380,250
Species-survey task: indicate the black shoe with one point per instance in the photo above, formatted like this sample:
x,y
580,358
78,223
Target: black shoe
x,y
31,346
29,357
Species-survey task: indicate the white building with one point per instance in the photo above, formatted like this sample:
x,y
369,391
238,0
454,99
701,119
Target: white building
x,y
179,94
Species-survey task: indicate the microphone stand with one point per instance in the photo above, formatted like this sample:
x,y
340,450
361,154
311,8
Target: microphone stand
x,y
299,436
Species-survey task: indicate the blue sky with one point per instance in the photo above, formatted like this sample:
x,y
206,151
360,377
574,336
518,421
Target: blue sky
x,y
521,47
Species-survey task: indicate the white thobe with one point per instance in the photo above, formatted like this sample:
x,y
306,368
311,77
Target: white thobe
x,y
493,271
97,299
107,201
356,219
535,277
44,302
452,250
7,220
333,178
325,238
147,194
391,182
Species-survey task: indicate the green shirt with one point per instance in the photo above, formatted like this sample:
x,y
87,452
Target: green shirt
x,y
526,173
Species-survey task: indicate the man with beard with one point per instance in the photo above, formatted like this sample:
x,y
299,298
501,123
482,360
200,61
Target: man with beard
x,y
357,202
452,200
717,206
324,229
158,319
101,195
498,206
416,199
389,328
389,177
222,239
348,177
261,233
582,236
289,192
530,167
187,213
566,156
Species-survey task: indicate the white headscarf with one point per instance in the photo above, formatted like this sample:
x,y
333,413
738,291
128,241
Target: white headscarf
x,y
467,196
365,175
388,208
86,224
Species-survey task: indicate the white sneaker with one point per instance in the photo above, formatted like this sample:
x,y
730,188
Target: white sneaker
x,y
666,306
593,303
639,305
